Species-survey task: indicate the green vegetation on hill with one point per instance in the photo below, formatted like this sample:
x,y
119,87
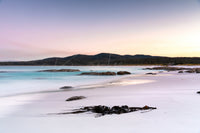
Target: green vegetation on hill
x,y
110,59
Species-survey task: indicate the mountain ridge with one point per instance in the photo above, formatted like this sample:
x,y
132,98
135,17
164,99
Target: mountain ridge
x,y
108,59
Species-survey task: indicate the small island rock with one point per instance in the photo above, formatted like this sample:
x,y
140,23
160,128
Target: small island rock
x,y
60,70
98,73
123,73
151,73
76,98
66,87
197,70
180,72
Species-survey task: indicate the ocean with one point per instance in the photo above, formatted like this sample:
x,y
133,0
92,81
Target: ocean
x,y
18,81
25,79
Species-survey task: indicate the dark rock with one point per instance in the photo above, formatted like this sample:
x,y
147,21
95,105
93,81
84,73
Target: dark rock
x,y
168,68
180,72
98,73
146,107
87,108
100,109
7,71
66,87
60,70
123,73
116,110
190,71
125,109
75,98
198,92
197,70
105,110
2,71
180,69
151,73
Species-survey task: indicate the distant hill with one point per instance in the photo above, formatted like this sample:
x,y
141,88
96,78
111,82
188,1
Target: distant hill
x,y
109,59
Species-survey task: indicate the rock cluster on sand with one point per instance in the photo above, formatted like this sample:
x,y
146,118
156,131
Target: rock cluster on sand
x,y
180,69
106,73
60,70
105,110
75,98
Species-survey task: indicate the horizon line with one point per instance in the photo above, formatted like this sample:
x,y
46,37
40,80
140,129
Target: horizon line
x,y
101,53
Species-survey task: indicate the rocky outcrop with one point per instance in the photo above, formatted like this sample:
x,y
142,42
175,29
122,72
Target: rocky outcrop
x,y
7,71
98,73
106,73
167,68
198,92
180,72
75,98
197,70
66,87
60,70
105,110
123,73
193,70
180,69
190,71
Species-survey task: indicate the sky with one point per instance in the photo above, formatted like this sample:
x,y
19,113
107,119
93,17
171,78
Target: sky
x,y
35,29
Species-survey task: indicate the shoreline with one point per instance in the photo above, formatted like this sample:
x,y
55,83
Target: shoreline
x,y
173,94
78,87
29,97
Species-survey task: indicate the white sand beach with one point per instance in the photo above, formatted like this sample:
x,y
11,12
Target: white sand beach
x,y
173,94
100,66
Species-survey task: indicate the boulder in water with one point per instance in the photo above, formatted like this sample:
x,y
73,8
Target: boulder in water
x,y
180,72
151,73
60,70
99,73
123,73
197,70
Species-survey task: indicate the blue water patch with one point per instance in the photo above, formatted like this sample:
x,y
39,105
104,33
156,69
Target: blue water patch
x,y
20,79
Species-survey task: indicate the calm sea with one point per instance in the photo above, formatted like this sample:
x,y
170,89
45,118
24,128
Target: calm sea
x,y
17,81
24,79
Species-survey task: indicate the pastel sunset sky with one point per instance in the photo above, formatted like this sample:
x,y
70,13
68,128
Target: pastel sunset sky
x,y
34,29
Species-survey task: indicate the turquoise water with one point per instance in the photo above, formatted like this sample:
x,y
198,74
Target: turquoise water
x,y
24,79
